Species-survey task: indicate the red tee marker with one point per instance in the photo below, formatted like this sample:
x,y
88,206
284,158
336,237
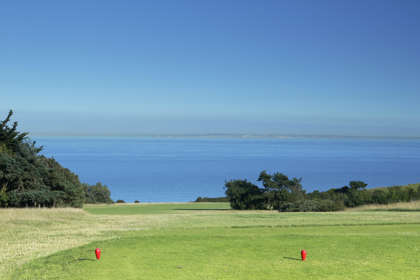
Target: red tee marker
x,y
98,253
303,255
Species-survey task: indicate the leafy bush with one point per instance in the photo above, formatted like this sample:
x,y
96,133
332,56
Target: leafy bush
x,y
417,193
97,193
331,205
212,199
308,205
379,197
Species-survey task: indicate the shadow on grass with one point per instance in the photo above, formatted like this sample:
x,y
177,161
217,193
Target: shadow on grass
x,y
86,259
394,210
76,260
293,259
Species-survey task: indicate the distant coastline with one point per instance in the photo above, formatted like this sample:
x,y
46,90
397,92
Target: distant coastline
x,y
184,168
224,136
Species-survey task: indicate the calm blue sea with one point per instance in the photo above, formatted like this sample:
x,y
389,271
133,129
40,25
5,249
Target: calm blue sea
x,y
170,169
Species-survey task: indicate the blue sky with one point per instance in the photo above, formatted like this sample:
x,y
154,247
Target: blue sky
x,y
157,67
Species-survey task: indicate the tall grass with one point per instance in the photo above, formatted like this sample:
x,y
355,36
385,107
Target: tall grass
x,y
399,206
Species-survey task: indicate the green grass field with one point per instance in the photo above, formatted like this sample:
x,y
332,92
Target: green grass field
x,y
209,241
154,208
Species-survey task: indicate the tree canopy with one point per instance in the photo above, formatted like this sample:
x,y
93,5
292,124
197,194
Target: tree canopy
x,y
28,179
278,192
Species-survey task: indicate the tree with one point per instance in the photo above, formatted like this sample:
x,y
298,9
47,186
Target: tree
x,y
379,197
10,138
3,196
355,195
357,185
244,195
97,193
279,190
28,179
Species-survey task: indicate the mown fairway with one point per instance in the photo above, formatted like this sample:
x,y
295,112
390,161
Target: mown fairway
x,y
223,244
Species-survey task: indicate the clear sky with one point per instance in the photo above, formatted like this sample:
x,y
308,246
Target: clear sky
x,y
150,67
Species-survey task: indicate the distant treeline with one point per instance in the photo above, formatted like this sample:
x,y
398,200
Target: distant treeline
x,y
28,179
287,195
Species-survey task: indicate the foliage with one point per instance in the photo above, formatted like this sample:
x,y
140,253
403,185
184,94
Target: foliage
x,y
28,179
120,201
287,195
3,196
315,205
279,191
244,195
212,199
97,193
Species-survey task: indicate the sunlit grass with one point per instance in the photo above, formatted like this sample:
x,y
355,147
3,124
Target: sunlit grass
x,y
27,234
334,252
154,208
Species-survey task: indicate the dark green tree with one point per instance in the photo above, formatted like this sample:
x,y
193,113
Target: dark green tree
x,y
379,197
357,185
28,179
280,191
244,195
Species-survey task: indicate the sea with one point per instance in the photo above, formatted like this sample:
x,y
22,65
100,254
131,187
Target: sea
x,y
167,169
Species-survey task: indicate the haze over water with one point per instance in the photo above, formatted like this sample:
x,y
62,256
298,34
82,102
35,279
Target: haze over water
x,y
181,169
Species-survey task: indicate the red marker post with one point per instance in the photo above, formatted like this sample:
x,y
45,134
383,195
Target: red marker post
x,y
303,255
98,253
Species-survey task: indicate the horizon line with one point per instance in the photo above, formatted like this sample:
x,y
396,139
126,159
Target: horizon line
x,y
221,135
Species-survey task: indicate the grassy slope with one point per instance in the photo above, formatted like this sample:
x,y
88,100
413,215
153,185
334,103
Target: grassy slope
x,y
399,206
208,244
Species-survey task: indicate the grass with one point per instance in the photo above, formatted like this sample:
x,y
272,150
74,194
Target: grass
x,y
151,241
400,206
354,252
154,208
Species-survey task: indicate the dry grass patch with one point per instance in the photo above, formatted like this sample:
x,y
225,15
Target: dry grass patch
x,y
30,233
400,206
